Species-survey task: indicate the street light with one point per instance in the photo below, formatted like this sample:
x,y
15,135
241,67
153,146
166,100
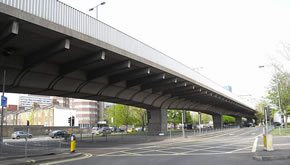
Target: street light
x,y
278,92
96,7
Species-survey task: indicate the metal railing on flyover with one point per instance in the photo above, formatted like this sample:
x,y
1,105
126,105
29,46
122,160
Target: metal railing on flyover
x,y
62,14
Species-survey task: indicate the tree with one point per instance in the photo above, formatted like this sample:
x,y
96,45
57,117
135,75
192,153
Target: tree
x,y
260,111
174,117
278,92
228,119
119,115
205,118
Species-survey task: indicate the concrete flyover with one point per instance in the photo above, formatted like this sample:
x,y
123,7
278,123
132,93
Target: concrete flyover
x,y
49,48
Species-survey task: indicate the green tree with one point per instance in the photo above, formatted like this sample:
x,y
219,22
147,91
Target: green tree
x,y
279,90
189,119
119,115
174,117
228,119
205,118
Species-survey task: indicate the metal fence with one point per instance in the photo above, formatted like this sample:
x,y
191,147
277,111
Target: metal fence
x,y
140,137
19,148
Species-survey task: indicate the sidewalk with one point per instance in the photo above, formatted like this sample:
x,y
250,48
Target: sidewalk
x,y
36,159
281,145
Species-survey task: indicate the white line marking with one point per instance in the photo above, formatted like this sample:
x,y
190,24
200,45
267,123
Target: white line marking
x,y
255,144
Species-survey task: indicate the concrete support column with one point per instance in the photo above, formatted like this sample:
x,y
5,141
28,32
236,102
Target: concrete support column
x,y
217,121
239,121
158,121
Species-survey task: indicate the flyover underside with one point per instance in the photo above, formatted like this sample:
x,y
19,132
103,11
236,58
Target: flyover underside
x,y
44,58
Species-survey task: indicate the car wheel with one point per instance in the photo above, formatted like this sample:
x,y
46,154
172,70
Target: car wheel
x,y
17,137
29,136
52,137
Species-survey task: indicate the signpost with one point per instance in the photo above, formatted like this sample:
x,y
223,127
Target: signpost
x,y
3,104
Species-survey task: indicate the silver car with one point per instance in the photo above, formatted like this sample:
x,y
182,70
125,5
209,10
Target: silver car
x,y
20,134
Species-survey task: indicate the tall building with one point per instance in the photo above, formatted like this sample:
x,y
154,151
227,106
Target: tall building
x,y
27,101
88,112
228,87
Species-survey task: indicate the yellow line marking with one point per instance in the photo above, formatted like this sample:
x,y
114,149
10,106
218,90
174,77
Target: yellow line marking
x,y
86,156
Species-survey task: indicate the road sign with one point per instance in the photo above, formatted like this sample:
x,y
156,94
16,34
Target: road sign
x,y
3,101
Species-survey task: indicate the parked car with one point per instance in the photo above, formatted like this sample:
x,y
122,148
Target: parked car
x,y
131,130
95,130
249,125
104,130
120,130
59,133
20,134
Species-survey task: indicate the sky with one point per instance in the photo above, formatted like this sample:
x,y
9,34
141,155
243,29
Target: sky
x,y
225,40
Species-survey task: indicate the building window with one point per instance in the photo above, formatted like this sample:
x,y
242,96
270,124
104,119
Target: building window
x,y
46,113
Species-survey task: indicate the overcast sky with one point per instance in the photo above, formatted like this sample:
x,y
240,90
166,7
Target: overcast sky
x,y
229,39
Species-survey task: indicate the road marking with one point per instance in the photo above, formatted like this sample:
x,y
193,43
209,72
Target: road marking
x,y
185,144
254,149
238,150
86,156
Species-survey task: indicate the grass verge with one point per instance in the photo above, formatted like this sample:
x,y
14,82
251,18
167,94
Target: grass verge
x,y
281,132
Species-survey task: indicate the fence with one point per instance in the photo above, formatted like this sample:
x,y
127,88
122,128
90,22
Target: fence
x,y
140,137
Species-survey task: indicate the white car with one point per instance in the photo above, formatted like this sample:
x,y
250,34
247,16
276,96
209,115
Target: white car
x,y
20,134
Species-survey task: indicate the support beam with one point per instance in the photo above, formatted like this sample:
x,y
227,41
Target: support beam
x,y
41,56
159,84
44,54
157,121
129,75
238,121
180,89
217,121
81,62
187,93
177,86
108,70
9,32
147,79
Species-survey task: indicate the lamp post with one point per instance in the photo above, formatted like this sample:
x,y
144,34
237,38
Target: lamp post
x,y
278,92
2,112
96,7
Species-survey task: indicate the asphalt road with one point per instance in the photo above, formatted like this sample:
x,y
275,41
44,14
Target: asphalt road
x,y
236,147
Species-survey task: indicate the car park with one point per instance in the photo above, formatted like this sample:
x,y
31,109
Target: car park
x,y
20,134
59,133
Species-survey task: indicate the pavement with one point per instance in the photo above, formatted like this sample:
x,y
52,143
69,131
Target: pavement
x,y
38,159
281,146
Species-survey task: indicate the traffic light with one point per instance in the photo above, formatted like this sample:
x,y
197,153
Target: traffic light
x,y
72,121
69,121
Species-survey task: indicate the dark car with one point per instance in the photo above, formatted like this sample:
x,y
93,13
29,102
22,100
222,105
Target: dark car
x,y
59,133
249,125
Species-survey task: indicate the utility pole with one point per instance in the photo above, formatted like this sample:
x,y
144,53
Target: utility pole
x,y
2,104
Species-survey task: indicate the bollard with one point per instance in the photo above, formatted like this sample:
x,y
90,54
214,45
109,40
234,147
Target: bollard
x,y
73,144
268,144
